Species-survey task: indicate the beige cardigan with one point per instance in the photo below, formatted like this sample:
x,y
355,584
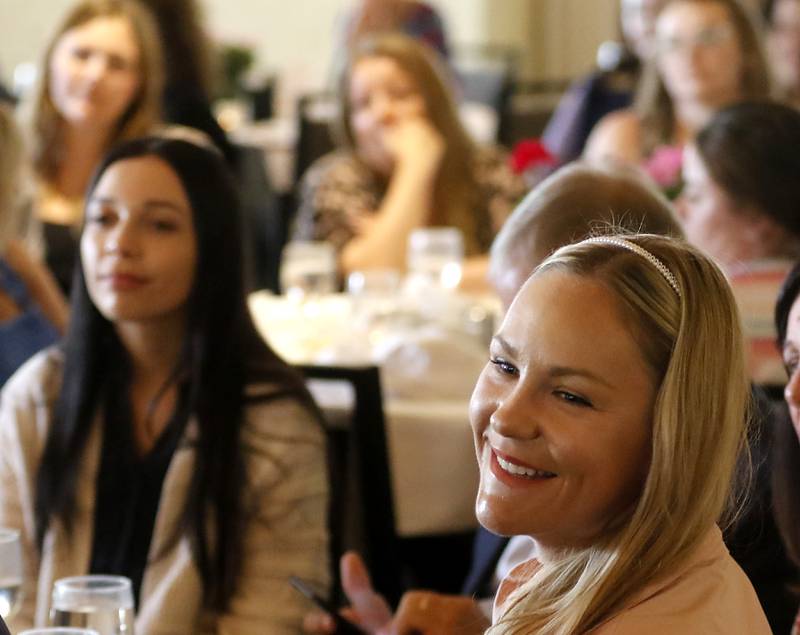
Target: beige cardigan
x,y
286,536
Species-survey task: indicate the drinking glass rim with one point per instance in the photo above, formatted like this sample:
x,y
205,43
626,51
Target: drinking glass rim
x,y
102,583
7,534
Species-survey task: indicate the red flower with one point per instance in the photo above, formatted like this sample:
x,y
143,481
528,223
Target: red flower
x,y
529,154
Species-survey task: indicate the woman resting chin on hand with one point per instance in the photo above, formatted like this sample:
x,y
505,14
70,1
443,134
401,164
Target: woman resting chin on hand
x,y
408,163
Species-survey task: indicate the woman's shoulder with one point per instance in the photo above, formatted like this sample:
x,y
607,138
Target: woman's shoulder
x,y
492,169
38,380
491,160
274,415
618,135
709,593
28,398
337,167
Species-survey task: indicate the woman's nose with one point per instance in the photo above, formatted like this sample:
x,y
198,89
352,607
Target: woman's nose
x,y
95,67
516,416
122,241
383,110
792,391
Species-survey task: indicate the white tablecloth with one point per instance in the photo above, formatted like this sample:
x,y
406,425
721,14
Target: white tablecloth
x,y
432,459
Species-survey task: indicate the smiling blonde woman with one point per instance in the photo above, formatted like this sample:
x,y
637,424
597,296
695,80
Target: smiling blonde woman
x,y
610,437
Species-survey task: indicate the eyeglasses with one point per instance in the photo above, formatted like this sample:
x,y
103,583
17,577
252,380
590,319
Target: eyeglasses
x,y
707,38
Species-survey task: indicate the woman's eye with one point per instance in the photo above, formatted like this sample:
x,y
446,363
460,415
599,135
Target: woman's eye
x,y
101,217
572,398
81,53
503,366
164,225
117,63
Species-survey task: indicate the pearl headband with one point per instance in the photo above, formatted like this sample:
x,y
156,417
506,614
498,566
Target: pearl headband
x,y
641,251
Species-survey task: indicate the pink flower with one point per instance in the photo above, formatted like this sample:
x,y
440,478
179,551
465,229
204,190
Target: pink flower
x,y
664,166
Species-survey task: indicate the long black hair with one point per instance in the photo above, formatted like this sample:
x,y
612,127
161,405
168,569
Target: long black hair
x,y
786,449
221,354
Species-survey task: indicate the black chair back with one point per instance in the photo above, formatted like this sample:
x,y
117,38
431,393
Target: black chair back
x,y
316,113
362,508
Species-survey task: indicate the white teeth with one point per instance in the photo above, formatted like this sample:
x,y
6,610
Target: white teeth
x,y
518,470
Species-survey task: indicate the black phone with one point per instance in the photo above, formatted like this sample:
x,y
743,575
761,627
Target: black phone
x,y
343,626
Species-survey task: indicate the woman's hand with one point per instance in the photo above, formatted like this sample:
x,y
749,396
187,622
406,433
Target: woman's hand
x,y
420,612
414,142
427,613
367,608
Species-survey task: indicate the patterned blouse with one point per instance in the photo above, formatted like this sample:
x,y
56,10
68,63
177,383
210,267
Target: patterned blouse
x,y
338,190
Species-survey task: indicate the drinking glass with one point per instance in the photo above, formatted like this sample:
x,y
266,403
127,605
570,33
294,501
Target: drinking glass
x,y
103,603
10,572
59,631
435,256
308,268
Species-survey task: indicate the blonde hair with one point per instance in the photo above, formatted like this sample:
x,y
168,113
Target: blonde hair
x,y
694,344
653,103
455,184
144,111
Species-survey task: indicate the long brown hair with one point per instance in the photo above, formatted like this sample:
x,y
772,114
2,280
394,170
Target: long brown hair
x,y
142,114
455,184
653,103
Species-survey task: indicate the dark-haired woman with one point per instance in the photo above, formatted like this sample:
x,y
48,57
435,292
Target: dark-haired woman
x,y
165,441
739,205
786,449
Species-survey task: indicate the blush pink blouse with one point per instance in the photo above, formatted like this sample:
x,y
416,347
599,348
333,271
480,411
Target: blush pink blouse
x,y
709,594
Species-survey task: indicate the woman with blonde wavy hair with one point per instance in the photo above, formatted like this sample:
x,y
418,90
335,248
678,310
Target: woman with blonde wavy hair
x,y
610,437
101,83
708,54
407,162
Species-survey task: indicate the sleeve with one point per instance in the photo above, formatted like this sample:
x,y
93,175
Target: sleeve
x,y
334,194
24,411
286,526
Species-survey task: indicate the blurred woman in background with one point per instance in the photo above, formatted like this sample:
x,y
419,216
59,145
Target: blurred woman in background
x,y
608,89
101,83
783,46
740,205
407,163
33,313
707,55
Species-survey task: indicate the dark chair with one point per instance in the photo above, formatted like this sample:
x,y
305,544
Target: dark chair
x,y
361,515
316,113
264,229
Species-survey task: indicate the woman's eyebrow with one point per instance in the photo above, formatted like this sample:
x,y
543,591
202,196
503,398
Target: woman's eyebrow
x,y
158,203
567,371
507,347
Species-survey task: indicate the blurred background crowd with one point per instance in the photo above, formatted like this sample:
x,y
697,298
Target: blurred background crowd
x,y
388,173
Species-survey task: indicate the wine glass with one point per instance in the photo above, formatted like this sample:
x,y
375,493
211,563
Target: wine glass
x,y
103,603
59,631
10,572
